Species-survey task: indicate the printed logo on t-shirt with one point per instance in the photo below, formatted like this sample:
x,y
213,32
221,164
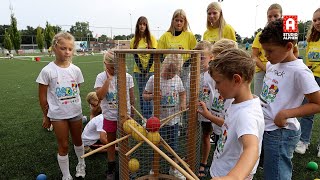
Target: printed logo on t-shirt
x,y
222,141
204,94
314,54
175,45
169,96
213,38
268,94
218,104
66,92
112,99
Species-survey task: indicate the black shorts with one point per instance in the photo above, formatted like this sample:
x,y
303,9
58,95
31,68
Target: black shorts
x,y
206,127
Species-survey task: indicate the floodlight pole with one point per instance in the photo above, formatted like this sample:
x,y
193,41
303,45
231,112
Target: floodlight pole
x,y
130,23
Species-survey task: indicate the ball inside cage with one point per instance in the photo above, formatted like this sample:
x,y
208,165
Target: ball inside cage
x,y
162,127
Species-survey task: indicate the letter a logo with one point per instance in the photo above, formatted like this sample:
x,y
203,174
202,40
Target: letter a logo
x,y
290,24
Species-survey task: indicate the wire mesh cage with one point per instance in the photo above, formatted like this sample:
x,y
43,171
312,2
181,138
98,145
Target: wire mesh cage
x,y
160,131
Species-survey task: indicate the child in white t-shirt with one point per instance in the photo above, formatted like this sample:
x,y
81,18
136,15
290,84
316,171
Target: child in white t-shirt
x,y
239,146
286,82
173,100
93,135
60,101
107,92
210,95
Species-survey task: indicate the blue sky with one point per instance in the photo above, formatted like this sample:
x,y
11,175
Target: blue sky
x,y
244,15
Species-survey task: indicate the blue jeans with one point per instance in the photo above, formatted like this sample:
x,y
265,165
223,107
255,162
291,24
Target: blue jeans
x,y
145,106
306,122
279,146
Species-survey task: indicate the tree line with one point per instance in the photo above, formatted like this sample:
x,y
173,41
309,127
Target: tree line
x,y
12,38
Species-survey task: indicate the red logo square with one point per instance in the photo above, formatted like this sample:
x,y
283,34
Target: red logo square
x,y
290,24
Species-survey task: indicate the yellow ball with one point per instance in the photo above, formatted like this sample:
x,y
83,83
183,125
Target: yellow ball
x,y
154,137
141,130
126,128
134,165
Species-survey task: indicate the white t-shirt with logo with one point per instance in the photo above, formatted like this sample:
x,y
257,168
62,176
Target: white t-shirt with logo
x,y
170,102
63,93
91,132
240,119
109,103
216,104
284,87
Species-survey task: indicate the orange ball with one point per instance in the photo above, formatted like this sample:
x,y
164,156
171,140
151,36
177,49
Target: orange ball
x,y
154,137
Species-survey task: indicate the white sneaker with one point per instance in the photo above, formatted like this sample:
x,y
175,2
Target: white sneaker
x,y
50,128
301,147
318,150
67,178
177,174
151,172
81,170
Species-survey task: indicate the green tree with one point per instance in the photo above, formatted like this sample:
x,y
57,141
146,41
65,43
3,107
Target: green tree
x,y
198,37
303,29
27,35
103,38
120,37
48,35
3,29
40,38
56,29
81,30
238,37
15,34
7,41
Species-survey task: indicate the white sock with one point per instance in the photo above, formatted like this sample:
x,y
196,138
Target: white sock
x,y
64,165
79,152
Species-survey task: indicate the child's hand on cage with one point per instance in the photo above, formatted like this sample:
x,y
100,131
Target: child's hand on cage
x,y
203,110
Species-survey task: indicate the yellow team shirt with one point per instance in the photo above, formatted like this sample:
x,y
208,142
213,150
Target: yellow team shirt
x,y
144,58
257,44
313,57
186,40
212,35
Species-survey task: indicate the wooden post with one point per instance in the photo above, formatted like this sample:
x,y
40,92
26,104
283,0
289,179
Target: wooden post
x,y
122,106
156,107
193,105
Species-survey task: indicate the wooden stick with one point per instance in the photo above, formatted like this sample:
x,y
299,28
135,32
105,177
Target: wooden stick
x,y
188,176
169,118
105,146
134,148
144,119
169,149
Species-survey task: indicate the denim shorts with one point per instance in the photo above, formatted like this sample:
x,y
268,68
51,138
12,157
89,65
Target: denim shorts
x,y
77,118
278,147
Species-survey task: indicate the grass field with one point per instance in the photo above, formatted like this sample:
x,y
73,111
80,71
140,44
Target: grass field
x,y
26,149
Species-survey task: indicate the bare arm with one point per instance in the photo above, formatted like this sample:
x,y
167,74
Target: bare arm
x,y
103,137
131,94
102,91
44,105
183,100
255,56
247,159
312,107
208,115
